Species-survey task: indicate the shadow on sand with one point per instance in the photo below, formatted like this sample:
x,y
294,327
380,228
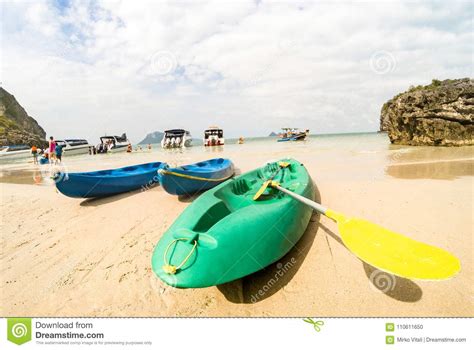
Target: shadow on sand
x,y
188,198
398,288
264,283
95,202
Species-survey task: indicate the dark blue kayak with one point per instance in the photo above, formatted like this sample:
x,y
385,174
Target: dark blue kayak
x,y
194,178
108,182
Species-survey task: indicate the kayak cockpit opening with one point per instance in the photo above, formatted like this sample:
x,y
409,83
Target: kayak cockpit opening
x,y
212,216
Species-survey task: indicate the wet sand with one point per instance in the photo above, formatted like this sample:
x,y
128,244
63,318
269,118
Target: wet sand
x,y
73,257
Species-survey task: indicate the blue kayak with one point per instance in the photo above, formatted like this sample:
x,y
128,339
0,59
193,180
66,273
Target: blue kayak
x,y
108,182
194,178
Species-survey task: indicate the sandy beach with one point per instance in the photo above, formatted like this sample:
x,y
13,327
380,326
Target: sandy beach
x,y
74,257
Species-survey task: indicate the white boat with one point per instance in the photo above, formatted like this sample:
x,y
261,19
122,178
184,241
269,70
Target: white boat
x,y
176,138
213,136
113,144
74,146
15,152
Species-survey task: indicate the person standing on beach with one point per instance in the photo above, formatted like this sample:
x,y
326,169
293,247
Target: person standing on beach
x,y
59,153
52,150
34,152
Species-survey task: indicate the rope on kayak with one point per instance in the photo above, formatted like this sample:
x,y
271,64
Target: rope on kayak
x,y
172,269
167,172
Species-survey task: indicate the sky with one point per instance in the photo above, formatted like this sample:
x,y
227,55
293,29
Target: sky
x,y
84,69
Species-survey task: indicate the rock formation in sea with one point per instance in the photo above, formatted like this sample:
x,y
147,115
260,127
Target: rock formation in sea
x,y
154,137
441,113
16,126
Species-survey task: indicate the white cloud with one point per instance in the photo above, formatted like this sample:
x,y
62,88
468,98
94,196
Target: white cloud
x,y
88,68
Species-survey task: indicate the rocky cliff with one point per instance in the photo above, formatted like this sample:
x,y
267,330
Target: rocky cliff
x,y
441,113
154,137
16,126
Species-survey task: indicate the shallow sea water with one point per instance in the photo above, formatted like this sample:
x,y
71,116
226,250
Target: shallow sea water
x,y
338,157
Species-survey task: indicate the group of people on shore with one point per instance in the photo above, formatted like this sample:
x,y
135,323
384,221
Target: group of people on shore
x,y
138,148
52,155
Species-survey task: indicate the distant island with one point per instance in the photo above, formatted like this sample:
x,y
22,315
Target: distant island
x,y
16,126
273,134
154,137
438,114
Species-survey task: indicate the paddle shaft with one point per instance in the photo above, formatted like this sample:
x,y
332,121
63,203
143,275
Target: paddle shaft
x,y
316,206
274,174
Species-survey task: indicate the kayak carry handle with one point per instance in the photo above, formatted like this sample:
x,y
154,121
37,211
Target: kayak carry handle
x,y
172,269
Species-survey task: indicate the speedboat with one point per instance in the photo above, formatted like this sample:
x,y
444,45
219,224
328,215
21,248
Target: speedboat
x,y
213,136
113,144
176,138
74,146
15,152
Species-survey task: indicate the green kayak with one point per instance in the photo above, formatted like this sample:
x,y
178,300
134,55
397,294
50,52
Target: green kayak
x,y
225,235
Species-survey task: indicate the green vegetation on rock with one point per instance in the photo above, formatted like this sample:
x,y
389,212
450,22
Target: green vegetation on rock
x,y
441,113
16,126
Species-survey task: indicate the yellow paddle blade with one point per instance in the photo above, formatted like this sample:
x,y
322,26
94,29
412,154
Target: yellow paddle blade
x,y
261,190
266,183
394,253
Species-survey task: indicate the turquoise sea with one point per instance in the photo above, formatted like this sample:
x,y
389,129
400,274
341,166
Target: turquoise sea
x,y
341,156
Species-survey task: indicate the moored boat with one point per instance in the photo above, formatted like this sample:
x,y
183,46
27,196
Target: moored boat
x,y
113,144
108,182
213,136
15,152
197,177
74,146
176,138
225,235
293,134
